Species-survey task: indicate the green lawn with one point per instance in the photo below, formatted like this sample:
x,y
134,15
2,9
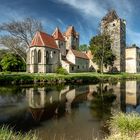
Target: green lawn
x,y
52,78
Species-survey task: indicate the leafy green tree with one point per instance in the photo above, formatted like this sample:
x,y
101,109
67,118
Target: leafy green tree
x,y
11,62
100,47
83,47
2,53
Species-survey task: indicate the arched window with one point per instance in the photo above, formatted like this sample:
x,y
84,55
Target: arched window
x,y
32,56
47,57
39,56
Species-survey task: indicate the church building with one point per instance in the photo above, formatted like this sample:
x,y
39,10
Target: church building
x,y
47,52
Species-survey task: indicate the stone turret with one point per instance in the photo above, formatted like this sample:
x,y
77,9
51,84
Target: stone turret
x,y
116,28
72,38
60,41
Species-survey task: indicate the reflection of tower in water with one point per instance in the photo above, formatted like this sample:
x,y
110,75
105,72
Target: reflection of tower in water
x,y
128,93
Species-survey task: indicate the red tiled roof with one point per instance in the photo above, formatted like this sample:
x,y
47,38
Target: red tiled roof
x,y
57,35
42,39
79,54
70,31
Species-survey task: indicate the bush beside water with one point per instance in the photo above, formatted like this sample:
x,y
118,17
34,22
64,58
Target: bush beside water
x,y
61,70
125,126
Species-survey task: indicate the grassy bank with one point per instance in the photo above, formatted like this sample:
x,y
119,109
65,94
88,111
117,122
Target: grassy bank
x,y
27,78
125,126
122,127
8,134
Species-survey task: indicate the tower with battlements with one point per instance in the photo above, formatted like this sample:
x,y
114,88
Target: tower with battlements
x,y
112,24
71,38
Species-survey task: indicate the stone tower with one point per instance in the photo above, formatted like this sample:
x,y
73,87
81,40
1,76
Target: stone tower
x,y
71,38
60,41
116,28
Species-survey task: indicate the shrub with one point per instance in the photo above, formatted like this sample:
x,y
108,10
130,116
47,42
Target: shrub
x,y
12,62
126,124
61,70
98,71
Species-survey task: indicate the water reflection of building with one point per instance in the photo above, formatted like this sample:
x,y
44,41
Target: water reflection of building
x,y
70,96
36,100
52,101
133,96
128,96
92,88
131,92
36,97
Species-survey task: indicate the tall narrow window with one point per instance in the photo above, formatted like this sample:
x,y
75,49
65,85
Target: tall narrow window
x,y
39,56
32,57
47,57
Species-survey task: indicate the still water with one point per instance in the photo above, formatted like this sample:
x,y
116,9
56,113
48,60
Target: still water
x,y
67,112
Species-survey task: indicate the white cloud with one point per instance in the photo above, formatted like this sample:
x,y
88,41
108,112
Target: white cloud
x,y
8,13
86,7
94,10
98,8
60,21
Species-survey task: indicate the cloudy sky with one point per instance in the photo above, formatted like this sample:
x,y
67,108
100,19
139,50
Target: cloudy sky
x,y
85,15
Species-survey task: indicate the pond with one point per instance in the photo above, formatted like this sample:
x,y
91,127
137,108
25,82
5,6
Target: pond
x,y
67,112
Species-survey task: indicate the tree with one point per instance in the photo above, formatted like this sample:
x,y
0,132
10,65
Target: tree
x,y
14,46
12,62
134,45
2,53
18,35
83,47
100,47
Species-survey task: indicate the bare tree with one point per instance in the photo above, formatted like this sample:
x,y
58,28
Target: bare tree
x,y
15,45
19,35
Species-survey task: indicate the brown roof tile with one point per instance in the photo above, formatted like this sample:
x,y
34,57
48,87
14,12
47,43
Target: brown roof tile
x,y
79,54
70,31
42,39
57,35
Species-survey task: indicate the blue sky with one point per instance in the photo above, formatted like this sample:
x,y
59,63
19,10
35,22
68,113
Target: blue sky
x,y
85,15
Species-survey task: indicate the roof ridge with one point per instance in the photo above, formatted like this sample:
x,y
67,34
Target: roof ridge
x,y
57,34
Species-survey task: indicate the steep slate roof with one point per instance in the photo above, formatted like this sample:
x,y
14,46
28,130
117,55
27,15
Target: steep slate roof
x,y
42,39
70,31
79,54
57,35
110,16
